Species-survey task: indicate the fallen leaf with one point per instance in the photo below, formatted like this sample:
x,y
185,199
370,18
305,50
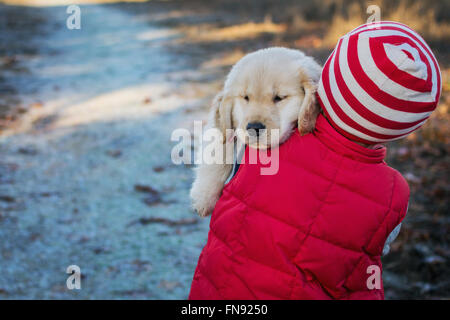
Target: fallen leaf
x,y
145,188
168,222
147,100
153,196
114,153
7,198
169,285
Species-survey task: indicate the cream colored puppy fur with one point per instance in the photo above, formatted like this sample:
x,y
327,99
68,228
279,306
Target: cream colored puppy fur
x,y
274,87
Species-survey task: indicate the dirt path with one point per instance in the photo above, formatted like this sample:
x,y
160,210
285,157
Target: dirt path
x,y
86,177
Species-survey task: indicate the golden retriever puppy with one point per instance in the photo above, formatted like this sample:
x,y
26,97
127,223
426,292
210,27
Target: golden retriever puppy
x,y
270,90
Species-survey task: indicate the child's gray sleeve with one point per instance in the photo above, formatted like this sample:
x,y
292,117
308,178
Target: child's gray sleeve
x,y
390,239
237,156
392,236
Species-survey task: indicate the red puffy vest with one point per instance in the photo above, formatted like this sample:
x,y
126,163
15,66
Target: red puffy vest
x,y
314,230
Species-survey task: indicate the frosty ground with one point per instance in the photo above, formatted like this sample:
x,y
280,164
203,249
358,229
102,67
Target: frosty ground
x,y
86,177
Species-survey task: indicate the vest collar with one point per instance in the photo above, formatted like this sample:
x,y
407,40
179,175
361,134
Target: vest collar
x,y
338,143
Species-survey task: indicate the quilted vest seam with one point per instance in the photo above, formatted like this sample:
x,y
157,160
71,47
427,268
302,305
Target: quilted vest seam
x,y
338,184
265,213
322,203
255,261
382,221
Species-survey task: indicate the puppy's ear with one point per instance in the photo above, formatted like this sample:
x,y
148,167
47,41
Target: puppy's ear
x,y
309,109
221,114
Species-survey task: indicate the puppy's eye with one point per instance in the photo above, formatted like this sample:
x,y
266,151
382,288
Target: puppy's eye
x,y
278,98
246,98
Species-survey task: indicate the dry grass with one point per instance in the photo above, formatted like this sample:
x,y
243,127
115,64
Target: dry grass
x,y
418,15
208,33
437,130
342,24
224,60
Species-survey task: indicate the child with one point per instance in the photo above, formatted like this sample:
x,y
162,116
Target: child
x,y
317,229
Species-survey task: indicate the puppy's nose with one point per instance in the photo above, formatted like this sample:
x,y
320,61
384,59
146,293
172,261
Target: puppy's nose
x,y
255,128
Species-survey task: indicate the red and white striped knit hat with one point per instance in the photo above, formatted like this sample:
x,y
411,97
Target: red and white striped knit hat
x,y
380,83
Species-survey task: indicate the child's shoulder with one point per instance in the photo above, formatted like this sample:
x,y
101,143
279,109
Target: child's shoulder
x,y
400,191
389,176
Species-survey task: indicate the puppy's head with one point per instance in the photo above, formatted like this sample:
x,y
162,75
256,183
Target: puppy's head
x,y
266,94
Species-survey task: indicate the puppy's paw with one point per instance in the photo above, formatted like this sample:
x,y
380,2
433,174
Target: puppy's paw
x,y
204,207
203,210
203,201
